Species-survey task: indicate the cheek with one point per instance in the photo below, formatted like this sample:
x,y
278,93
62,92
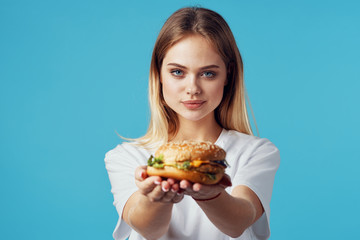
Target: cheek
x,y
167,88
219,96
217,92
170,91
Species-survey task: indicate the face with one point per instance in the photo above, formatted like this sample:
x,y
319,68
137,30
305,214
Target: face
x,y
193,76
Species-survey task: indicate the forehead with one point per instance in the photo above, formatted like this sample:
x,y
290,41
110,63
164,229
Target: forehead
x,y
193,50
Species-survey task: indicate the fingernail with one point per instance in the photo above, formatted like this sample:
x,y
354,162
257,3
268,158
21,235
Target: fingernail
x,y
164,189
174,191
141,175
157,182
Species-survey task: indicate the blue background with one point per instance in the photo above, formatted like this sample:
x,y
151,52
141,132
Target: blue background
x,y
73,73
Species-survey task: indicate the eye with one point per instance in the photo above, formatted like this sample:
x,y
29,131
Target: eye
x,y
177,73
208,74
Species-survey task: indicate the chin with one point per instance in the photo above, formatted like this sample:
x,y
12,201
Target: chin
x,y
196,117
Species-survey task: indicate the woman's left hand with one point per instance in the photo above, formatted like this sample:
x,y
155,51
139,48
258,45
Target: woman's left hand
x,y
202,192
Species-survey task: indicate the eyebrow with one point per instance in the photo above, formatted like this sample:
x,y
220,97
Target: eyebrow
x,y
181,66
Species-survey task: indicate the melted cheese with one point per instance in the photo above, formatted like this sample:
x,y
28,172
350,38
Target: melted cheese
x,y
197,163
194,163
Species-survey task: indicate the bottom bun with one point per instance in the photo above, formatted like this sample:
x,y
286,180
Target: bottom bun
x,y
192,176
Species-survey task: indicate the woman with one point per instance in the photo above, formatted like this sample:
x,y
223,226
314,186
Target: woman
x,y
196,92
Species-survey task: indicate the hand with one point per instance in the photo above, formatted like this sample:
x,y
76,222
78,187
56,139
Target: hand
x,y
201,191
156,189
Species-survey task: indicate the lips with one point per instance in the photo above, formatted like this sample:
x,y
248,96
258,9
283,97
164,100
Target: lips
x,y
193,104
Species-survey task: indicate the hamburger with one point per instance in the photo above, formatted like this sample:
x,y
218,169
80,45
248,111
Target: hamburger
x,y
198,162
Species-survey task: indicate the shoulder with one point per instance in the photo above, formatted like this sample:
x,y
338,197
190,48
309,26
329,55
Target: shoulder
x,y
127,151
232,140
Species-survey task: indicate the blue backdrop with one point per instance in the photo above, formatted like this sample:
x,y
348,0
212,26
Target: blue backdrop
x,y
73,73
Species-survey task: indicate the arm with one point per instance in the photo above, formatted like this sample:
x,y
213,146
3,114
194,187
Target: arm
x,y
238,210
148,210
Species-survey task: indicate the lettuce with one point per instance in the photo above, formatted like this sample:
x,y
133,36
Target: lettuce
x,y
156,162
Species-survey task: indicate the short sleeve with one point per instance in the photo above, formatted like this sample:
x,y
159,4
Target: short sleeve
x,y
120,164
258,165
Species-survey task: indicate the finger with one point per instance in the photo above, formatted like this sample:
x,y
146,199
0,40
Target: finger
x,y
187,189
140,173
201,191
184,184
178,197
175,187
168,196
156,195
148,184
165,186
197,187
171,181
174,191
202,188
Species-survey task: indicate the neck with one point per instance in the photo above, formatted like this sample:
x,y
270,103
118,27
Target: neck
x,y
203,130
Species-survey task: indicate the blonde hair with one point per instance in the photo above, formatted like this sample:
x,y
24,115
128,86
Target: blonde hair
x,y
231,114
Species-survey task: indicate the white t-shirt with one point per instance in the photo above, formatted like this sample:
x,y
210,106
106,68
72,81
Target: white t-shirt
x,y
253,162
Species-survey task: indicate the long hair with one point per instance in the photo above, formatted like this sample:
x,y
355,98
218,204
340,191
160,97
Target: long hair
x,y
231,114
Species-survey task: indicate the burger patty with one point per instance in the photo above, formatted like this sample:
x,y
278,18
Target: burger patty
x,y
209,168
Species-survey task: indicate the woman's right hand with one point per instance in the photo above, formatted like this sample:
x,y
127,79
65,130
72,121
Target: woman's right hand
x,y
156,189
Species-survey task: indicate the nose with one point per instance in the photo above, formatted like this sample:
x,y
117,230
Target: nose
x,y
193,87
